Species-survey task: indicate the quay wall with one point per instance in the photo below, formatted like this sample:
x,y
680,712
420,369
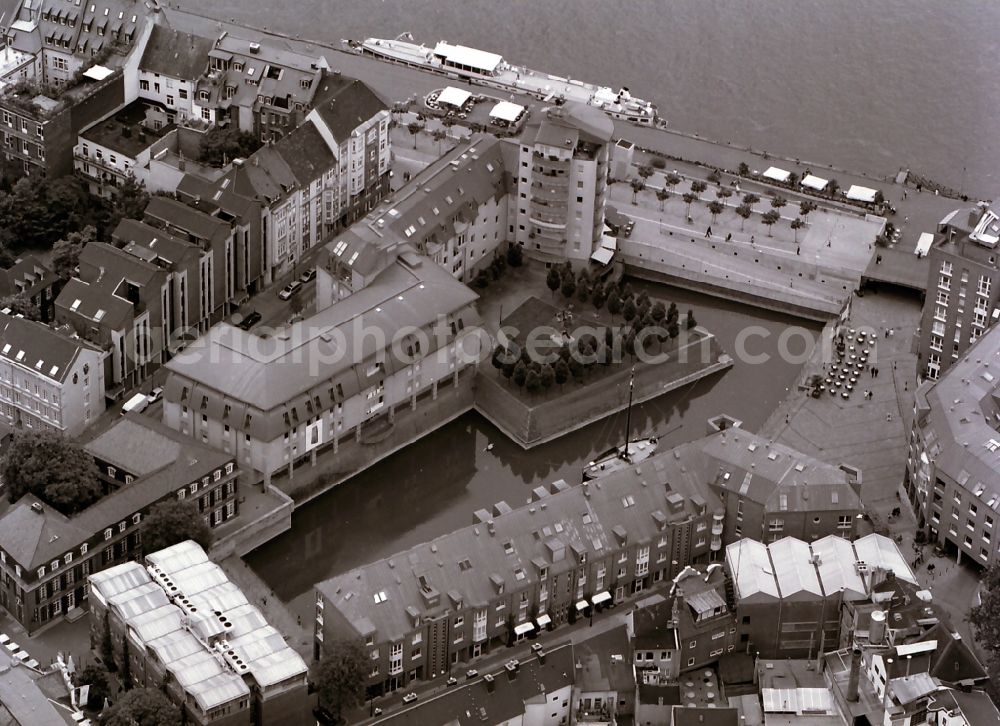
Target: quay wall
x,y
530,424
256,532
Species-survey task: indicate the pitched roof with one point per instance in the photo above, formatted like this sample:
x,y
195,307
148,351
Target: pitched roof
x,y
604,663
22,698
344,104
35,345
175,54
35,535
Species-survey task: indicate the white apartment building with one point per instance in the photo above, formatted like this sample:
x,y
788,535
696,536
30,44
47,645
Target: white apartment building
x,y
48,380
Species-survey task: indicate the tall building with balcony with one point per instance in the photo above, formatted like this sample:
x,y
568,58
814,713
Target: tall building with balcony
x,y
562,182
963,287
48,378
953,464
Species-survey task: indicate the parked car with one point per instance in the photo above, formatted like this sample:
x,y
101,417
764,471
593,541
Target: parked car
x,y
136,404
290,289
155,395
629,226
250,320
452,681
308,275
410,697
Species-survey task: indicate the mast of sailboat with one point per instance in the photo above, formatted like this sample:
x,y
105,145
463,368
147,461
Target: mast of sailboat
x,y
628,413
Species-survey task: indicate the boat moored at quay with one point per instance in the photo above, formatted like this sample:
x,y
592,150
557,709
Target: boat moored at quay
x,y
490,69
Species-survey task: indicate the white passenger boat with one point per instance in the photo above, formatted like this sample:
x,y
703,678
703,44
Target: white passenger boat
x,y
490,69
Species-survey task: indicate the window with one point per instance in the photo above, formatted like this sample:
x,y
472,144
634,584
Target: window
x,y
182,93
143,85
107,534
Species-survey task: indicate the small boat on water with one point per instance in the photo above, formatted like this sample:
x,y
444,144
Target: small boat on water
x,y
626,455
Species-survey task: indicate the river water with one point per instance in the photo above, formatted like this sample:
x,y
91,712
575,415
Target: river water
x,y
866,86
434,486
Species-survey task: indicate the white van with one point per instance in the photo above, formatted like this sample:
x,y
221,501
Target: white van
x,y
137,403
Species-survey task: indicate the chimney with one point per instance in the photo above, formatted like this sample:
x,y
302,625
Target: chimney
x,y
541,657
491,685
852,684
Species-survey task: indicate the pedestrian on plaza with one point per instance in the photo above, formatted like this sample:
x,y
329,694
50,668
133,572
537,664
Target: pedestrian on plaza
x,y
798,249
729,237
876,371
708,232
904,194
887,333
888,417
751,239
828,243
878,259
920,187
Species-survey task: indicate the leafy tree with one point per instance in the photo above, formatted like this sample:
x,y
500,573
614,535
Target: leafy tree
x,y
750,199
561,371
548,376
698,187
796,225
658,162
715,208
598,297
54,469
743,169
520,373
658,311
173,521
553,279
689,199
515,255
673,329
770,218
662,195
508,369
614,304
533,382
723,193
499,354
778,201
806,206
627,291
221,144
96,677
568,287
341,676
577,369
879,197
39,210
439,135
691,322
671,180
414,128
21,304
629,311
832,187
672,312
637,186
743,212
482,279
714,176
583,292
145,706
66,252
645,171
128,202
985,617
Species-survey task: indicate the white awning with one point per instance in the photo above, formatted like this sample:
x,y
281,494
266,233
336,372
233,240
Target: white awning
x,y
543,620
524,628
97,73
507,111
814,182
603,255
950,216
861,194
462,55
452,96
582,605
777,174
924,244
601,597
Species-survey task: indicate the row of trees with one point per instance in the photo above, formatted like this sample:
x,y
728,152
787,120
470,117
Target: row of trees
x,y
222,144
718,205
514,257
